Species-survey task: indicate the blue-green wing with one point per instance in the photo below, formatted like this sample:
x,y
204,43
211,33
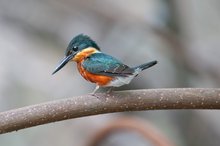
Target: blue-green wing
x,y
103,64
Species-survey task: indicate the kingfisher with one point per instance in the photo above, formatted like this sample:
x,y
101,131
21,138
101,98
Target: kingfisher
x,y
97,67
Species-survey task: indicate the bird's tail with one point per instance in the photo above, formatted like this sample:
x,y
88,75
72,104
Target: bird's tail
x,y
145,66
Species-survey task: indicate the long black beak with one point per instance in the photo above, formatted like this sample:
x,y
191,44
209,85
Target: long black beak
x,y
64,62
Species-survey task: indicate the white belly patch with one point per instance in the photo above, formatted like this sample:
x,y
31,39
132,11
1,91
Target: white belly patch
x,y
119,81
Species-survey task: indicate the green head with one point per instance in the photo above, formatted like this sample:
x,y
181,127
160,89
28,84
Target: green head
x,y
77,44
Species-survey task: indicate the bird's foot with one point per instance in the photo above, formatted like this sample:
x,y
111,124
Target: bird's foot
x,y
109,91
107,94
93,94
98,96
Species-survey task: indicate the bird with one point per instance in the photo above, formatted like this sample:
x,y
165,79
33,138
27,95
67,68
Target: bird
x,y
98,67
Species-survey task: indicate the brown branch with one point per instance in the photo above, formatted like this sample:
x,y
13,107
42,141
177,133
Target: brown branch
x,y
133,100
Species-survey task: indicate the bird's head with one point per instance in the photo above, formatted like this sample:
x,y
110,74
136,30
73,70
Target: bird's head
x,y
79,47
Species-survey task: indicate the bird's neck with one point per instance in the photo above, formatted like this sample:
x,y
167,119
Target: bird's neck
x,y
84,54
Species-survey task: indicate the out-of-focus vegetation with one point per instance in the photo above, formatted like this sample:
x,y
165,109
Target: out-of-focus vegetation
x,y
184,36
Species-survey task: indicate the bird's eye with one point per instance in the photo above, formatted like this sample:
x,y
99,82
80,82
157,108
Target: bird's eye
x,y
75,48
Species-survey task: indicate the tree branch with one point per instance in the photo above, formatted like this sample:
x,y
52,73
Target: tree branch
x,y
133,100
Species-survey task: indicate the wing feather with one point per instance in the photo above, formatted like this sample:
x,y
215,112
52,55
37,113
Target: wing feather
x,y
103,64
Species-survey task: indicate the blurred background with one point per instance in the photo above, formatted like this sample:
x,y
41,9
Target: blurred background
x,y
184,36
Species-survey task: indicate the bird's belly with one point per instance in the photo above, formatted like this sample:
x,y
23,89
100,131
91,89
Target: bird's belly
x,y
120,81
100,80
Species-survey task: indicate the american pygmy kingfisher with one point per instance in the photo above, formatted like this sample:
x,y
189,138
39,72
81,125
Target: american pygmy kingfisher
x,y
97,67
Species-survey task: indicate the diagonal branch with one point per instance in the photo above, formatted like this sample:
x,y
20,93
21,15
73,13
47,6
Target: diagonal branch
x,y
133,100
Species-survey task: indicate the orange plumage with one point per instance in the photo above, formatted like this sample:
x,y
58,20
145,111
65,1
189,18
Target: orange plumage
x,y
98,79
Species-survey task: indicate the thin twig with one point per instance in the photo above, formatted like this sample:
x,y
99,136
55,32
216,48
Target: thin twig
x,y
133,100
143,128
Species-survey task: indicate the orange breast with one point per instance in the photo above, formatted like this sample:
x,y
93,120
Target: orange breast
x,y
98,79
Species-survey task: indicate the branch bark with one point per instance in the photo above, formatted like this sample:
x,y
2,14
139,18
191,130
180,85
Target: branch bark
x,y
133,100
